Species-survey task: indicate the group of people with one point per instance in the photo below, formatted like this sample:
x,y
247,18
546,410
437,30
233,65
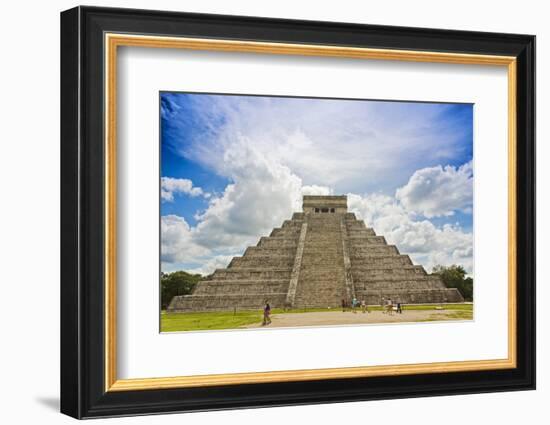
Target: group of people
x,y
355,304
388,306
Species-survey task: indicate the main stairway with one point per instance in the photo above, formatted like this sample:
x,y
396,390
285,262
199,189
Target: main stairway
x,y
322,275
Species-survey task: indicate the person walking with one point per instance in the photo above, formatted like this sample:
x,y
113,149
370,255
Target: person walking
x,y
267,313
354,304
363,306
343,305
391,307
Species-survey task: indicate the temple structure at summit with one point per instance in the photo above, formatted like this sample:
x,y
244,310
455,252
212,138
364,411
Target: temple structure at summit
x,y
318,258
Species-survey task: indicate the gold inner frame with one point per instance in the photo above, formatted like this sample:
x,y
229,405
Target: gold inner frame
x,y
113,41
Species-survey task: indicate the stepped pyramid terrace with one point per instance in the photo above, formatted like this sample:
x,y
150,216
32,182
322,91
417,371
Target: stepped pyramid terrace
x,y
318,258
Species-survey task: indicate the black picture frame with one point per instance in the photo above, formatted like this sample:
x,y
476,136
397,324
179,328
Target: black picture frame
x,y
83,392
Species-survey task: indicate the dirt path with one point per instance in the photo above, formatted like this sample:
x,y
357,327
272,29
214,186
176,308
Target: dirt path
x,y
285,320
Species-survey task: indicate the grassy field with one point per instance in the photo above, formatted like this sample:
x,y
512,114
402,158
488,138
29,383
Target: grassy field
x,y
176,322
453,315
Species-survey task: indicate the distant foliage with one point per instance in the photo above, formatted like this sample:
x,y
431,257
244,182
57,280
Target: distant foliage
x,y
455,277
176,283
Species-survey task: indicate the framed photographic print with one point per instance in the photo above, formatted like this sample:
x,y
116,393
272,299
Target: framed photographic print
x,y
261,212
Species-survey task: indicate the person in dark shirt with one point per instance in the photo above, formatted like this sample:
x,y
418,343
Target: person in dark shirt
x,y
267,313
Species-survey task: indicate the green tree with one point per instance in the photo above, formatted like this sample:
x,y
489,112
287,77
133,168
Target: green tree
x,y
455,277
176,283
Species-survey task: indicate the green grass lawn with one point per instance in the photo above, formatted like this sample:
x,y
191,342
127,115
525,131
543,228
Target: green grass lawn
x,y
450,315
464,307
176,322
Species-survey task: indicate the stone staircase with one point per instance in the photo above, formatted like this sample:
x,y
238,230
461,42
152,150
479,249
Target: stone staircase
x,y
322,279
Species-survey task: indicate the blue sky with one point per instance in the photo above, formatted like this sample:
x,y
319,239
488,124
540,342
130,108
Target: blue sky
x,y
233,167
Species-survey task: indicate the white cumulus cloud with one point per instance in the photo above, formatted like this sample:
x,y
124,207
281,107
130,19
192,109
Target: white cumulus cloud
x,y
262,195
170,186
177,241
317,190
438,191
208,267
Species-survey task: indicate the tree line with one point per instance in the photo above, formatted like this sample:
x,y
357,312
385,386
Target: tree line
x,y
455,277
176,283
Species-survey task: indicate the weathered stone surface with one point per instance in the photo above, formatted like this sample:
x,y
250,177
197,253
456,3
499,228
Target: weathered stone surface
x,y
317,259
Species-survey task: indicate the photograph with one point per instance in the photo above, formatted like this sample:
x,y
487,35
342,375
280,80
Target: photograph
x,y
281,212
287,210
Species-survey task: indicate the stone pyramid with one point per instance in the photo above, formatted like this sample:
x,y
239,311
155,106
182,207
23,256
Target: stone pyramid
x,y
320,257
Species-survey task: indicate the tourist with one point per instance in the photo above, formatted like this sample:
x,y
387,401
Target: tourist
x,y
267,313
399,308
389,307
343,305
353,304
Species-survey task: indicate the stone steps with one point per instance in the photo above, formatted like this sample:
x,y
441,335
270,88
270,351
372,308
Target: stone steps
x,y
399,285
260,251
327,286
420,296
226,302
292,225
373,251
247,281
276,242
358,228
333,248
393,261
322,267
241,286
365,242
321,280
328,230
359,259
434,279
322,242
238,262
378,272
252,274
381,262
321,263
287,232
327,251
